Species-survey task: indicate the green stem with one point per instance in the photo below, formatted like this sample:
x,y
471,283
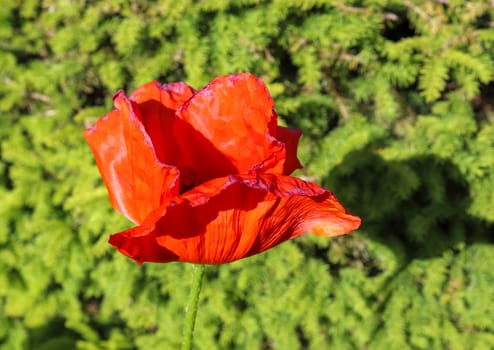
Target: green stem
x,y
191,310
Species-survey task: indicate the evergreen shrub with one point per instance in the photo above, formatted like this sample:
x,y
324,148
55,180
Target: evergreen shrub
x,y
395,99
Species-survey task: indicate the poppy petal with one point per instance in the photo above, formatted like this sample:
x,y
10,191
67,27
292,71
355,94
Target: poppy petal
x,y
234,113
290,137
136,180
235,217
157,104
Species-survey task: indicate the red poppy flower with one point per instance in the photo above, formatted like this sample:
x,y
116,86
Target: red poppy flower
x,y
204,174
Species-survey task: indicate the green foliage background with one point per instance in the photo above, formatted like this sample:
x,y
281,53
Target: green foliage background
x,y
396,101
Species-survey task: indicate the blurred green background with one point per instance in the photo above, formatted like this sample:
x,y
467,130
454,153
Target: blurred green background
x,y
396,101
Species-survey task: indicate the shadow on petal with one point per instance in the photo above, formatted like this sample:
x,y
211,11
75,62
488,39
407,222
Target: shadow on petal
x,y
235,114
141,247
247,215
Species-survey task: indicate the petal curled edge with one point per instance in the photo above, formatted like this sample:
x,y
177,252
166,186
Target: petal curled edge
x,y
136,180
237,216
233,122
157,104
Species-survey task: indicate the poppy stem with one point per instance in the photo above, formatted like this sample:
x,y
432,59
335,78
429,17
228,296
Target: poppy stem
x,y
191,309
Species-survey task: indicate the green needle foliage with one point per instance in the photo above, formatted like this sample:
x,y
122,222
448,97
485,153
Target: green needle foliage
x,y
395,99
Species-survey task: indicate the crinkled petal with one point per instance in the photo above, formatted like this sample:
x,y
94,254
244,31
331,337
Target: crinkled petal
x,y
228,128
157,104
234,217
136,180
